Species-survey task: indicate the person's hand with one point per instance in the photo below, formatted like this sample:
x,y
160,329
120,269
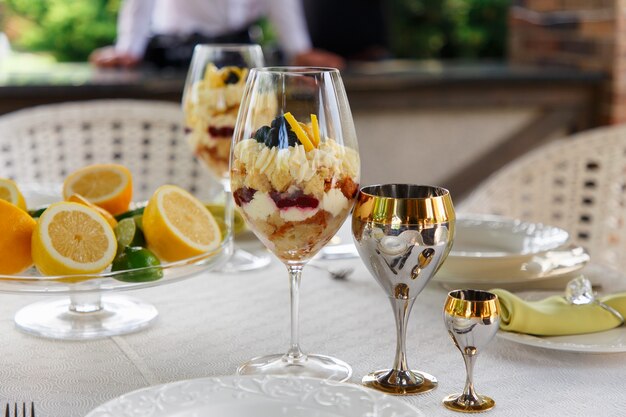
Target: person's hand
x,y
319,58
108,57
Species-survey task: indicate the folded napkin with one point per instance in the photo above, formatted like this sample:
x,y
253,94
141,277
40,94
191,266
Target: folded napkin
x,y
554,316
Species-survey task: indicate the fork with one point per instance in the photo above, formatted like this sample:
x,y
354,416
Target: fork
x,y
338,274
16,410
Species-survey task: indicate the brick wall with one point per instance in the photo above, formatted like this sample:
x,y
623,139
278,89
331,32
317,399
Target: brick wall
x,y
582,34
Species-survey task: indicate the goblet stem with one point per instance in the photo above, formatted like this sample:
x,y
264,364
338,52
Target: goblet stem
x,y
229,207
294,354
401,311
469,395
400,379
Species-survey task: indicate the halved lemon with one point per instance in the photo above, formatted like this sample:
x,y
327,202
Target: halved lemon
x,y
16,229
109,186
77,198
9,192
178,226
71,239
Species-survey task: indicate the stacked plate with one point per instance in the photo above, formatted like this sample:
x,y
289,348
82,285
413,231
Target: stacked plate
x,y
492,251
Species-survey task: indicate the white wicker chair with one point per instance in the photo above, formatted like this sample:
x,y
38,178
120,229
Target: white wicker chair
x,y
577,183
43,144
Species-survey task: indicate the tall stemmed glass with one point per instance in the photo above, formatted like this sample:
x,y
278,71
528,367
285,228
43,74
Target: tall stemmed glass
x,y
211,99
295,172
403,233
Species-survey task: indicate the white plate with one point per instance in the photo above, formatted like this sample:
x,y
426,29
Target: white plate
x,y
493,237
610,341
245,396
542,257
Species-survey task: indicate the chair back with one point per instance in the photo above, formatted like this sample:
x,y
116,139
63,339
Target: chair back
x,y
577,183
43,144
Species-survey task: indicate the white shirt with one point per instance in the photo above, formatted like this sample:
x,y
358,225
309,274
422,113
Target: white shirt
x,y
140,19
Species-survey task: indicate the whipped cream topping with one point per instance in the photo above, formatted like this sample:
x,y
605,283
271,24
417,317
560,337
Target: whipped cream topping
x,y
295,162
216,99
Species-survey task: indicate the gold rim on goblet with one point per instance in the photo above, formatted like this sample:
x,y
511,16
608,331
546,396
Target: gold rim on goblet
x,y
472,318
403,233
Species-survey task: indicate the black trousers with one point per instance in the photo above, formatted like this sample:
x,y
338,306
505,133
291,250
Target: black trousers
x,y
176,50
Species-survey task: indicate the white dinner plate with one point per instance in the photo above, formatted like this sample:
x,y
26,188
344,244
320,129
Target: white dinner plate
x,y
610,341
483,236
245,396
493,251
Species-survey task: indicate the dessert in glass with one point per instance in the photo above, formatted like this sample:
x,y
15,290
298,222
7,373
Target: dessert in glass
x,y
295,177
211,98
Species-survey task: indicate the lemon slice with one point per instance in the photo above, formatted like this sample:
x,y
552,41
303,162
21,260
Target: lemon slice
x,y
109,186
77,198
16,229
12,194
71,239
176,225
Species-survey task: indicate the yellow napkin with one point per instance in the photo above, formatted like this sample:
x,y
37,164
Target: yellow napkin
x,y
554,316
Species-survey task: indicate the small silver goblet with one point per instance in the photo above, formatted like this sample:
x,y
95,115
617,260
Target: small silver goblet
x,y
403,234
472,318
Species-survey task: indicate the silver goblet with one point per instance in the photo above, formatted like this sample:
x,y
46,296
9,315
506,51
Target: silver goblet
x,y
472,318
403,234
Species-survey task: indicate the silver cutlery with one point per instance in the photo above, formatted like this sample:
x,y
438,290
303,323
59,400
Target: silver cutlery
x,y
338,274
16,410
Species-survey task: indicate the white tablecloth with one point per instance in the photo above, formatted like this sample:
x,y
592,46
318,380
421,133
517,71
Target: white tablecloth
x,y
210,324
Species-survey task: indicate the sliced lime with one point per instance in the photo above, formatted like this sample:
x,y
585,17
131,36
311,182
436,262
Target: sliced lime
x,y
129,213
128,234
133,258
138,218
217,210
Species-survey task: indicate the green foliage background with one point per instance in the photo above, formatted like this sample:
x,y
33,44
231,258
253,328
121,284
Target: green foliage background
x,y
469,29
69,29
448,28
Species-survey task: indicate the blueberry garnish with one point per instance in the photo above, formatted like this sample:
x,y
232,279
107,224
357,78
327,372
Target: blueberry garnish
x,y
261,134
232,78
279,134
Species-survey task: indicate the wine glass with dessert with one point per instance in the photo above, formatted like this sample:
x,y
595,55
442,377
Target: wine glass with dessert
x,y
211,98
295,171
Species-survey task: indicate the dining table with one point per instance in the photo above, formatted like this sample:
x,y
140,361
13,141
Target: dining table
x,y
211,323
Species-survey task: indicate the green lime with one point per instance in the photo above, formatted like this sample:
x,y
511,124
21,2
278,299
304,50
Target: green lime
x,y
129,213
37,213
217,210
128,234
134,258
138,218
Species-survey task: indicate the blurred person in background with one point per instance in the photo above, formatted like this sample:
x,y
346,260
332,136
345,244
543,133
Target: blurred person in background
x,y
5,46
354,29
164,32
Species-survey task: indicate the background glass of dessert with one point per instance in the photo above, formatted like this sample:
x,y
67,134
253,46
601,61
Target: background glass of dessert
x,y
295,172
211,98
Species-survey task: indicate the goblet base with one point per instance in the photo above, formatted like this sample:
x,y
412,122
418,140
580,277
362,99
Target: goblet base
x,y
395,382
116,315
242,260
464,404
316,366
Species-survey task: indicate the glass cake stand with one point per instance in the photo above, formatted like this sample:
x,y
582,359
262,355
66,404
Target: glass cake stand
x,y
90,309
